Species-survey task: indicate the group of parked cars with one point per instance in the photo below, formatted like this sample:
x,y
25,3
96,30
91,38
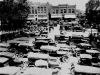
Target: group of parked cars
x,y
88,57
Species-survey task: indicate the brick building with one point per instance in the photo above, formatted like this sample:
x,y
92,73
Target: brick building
x,y
41,10
38,11
63,10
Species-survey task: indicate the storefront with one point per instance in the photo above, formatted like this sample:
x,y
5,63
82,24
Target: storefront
x,y
56,17
70,18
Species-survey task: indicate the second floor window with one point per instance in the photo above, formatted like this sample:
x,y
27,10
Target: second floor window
x,y
53,11
38,8
69,10
42,9
35,11
56,11
32,10
65,10
61,10
73,10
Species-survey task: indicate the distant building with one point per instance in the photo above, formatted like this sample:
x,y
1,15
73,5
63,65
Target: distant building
x,y
63,10
40,11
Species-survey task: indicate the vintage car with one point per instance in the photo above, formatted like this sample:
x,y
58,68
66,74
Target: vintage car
x,y
85,59
32,57
26,47
84,46
39,43
39,71
54,62
51,50
4,45
3,49
85,70
95,57
43,64
9,70
78,51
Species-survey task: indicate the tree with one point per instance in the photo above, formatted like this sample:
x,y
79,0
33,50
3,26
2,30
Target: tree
x,y
92,14
13,15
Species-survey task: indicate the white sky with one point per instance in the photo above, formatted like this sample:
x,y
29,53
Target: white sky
x,y
80,4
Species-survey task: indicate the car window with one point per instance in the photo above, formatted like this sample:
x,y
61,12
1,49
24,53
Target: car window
x,y
53,60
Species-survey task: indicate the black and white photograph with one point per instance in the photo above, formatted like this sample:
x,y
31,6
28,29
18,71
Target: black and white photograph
x,y
49,37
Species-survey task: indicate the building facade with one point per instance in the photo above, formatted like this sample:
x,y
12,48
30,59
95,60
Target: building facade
x,y
63,10
41,10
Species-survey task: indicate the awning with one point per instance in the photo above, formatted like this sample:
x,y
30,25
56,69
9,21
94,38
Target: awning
x,y
42,18
56,16
31,18
70,16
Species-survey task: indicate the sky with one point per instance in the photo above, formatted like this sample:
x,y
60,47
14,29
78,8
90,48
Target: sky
x,y
80,4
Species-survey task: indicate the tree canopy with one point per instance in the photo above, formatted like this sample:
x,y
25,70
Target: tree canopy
x,y
13,15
